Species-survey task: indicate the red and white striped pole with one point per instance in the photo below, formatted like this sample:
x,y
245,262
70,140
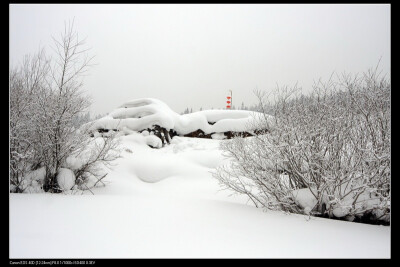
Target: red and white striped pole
x,y
229,101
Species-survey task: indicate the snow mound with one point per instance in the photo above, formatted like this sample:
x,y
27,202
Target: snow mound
x,y
65,179
74,163
341,208
153,141
32,182
218,136
305,199
144,113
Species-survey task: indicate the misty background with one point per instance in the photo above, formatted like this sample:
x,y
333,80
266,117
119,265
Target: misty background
x,y
192,55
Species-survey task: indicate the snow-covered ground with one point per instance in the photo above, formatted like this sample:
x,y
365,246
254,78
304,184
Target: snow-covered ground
x,y
164,203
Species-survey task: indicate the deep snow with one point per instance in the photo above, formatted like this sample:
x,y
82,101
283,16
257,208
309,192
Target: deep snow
x,y
143,113
164,203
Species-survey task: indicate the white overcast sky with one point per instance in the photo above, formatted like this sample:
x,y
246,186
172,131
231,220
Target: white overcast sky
x,y
191,55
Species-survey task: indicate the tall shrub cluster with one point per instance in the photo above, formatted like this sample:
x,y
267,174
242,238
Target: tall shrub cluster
x,y
47,104
334,143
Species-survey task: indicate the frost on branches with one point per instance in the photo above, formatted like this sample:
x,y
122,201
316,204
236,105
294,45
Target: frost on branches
x,y
326,154
46,104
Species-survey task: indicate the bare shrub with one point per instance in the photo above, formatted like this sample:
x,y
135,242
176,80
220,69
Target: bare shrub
x,y
26,81
335,142
47,112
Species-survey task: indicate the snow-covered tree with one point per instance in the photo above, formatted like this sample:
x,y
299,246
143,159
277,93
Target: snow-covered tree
x,y
186,111
26,81
47,110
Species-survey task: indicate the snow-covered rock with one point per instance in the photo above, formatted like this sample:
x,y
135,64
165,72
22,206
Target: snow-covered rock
x,y
65,179
144,113
342,208
153,141
218,136
305,199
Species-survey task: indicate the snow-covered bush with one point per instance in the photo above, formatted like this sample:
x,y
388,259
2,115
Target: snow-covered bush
x,y
47,109
25,84
88,160
334,142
